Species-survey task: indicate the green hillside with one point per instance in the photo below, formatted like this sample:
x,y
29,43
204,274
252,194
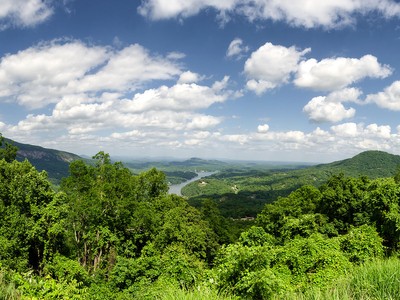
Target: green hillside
x,y
243,193
54,162
373,164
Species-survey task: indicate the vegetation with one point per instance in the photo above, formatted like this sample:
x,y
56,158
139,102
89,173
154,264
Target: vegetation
x,y
243,192
54,162
110,234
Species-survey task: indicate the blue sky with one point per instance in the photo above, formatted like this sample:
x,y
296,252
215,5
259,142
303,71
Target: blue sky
x,y
301,80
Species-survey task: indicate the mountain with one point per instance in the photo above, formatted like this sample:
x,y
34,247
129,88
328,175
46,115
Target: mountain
x,y
54,162
242,192
372,164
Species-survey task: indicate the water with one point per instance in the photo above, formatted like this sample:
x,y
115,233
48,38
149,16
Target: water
x,y
176,188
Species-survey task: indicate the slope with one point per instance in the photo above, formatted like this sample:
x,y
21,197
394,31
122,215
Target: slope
x,y
54,162
241,193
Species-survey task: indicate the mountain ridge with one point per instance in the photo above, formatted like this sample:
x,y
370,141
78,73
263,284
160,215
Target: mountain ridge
x,y
54,162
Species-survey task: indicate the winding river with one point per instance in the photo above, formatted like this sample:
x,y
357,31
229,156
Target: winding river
x,y
176,188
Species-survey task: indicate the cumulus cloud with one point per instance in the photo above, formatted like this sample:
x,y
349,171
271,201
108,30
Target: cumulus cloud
x,y
23,13
153,117
300,13
337,73
101,95
389,98
128,69
320,110
341,140
263,128
330,108
180,97
352,130
189,77
42,74
271,65
159,9
236,49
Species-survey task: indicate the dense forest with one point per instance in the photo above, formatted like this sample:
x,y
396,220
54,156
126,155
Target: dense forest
x,y
106,233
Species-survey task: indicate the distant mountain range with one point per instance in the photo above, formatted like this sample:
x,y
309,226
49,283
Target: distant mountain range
x,y
369,163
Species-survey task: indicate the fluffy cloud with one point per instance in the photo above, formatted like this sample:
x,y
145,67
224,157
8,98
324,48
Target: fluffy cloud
x,y
23,13
389,98
352,130
270,66
180,97
189,77
155,116
330,108
263,128
34,77
341,140
301,13
128,69
336,73
320,110
40,75
159,9
236,49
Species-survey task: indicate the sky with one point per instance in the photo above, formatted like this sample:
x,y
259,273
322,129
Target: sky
x,y
304,80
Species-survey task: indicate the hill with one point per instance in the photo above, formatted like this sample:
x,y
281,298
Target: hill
x,y
372,164
54,162
243,192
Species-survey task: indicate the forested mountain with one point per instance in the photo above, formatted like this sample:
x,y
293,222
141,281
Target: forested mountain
x,y
54,162
243,193
371,163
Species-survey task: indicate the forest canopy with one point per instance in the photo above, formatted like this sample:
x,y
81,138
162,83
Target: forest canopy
x,y
107,233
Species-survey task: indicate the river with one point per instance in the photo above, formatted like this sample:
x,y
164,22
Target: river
x,y
176,188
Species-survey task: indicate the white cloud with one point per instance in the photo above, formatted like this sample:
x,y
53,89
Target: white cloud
x,y
389,98
180,97
236,49
189,77
263,128
336,73
159,9
36,76
330,108
321,110
23,13
271,65
234,138
346,130
42,74
128,69
300,13
345,95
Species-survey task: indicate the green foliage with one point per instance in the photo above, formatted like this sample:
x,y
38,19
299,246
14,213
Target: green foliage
x,y
221,226
316,259
256,236
8,151
24,195
250,271
377,279
111,234
242,192
362,244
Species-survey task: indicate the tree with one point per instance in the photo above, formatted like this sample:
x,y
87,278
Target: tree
x,y
8,152
24,195
397,175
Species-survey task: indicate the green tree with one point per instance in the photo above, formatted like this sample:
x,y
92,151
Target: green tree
x,y
7,150
24,195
